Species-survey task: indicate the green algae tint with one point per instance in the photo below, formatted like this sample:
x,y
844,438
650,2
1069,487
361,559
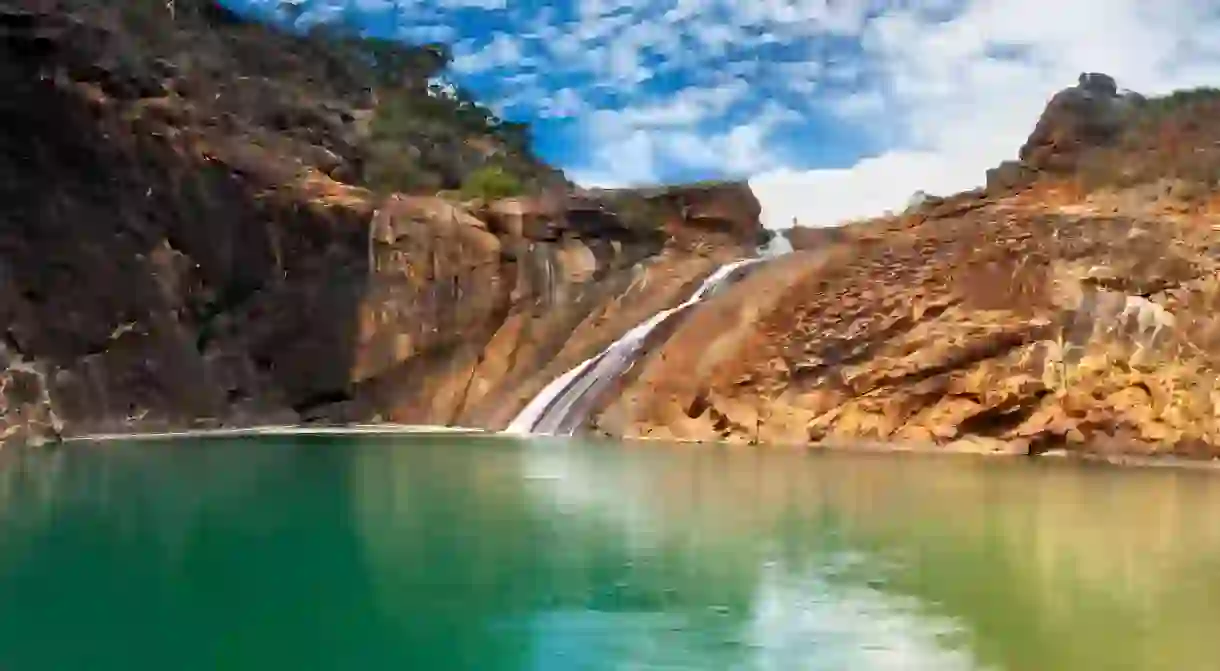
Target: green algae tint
x,y
492,554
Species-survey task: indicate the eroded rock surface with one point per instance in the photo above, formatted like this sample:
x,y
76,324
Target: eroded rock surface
x,y
1077,312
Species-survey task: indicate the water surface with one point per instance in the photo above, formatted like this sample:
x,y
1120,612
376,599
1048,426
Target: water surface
x,y
459,552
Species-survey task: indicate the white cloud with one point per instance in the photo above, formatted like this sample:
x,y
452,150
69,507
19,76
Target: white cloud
x,y
871,186
501,53
965,110
620,62
630,158
629,155
424,33
563,104
688,106
830,16
634,145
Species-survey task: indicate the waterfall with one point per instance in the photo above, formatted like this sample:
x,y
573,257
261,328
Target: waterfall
x,y
563,404
777,246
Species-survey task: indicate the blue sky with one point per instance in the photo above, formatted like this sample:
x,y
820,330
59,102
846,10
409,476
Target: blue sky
x,y
833,109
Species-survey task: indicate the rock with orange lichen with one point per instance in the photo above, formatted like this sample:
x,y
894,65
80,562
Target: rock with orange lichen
x,y
1073,312
1000,330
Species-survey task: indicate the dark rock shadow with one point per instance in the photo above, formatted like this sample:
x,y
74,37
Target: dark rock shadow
x,y
155,286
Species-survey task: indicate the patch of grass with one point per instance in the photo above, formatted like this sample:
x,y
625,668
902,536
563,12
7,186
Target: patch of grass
x,y
491,182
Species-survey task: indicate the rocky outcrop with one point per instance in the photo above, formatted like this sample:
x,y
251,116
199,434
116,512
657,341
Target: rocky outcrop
x,y
1054,317
1098,136
810,237
1078,120
460,325
1090,114
1010,176
695,216
1012,328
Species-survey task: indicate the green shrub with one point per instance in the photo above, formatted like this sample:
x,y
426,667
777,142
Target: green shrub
x,y
1181,98
378,102
490,183
638,213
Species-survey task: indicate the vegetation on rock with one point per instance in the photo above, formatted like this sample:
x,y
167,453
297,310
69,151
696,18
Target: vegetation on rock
x,y
491,182
375,111
1179,99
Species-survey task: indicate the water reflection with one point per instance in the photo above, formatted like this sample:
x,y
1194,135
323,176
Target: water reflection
x,y
470,553
614,580
1045,565
800,620
793,618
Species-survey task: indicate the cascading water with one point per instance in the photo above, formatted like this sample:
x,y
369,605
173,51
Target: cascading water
x,y
778,245
563,404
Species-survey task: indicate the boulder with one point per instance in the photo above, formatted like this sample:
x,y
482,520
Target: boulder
x,y
1088,115
1009,176
526,217
690,215
1097,83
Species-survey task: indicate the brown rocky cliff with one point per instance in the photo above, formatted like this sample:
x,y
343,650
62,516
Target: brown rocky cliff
x,y
1089,114
811,237
133,226
175,256
1076,311
699,216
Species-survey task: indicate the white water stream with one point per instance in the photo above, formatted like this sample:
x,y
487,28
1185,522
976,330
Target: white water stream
x,y
560,408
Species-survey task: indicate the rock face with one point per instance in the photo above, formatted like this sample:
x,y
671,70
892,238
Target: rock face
x,y
175,254
1079,312
27,414
809,237
178,254
1078,121
1087,115
695,216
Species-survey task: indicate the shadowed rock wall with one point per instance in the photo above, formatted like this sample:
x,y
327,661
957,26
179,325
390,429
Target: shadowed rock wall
x,y
169,262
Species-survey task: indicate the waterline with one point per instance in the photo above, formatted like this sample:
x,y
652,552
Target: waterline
x,y
277,430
